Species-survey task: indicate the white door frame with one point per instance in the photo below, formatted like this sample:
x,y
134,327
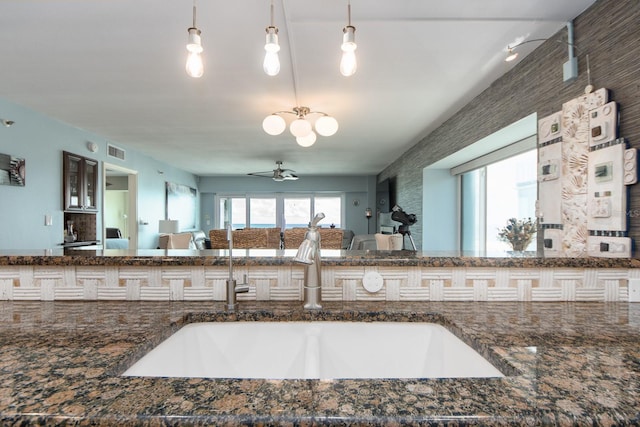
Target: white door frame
x,y
132,186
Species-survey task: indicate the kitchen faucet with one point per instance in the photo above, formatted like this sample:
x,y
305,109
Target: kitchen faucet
x,y
309,254
232,288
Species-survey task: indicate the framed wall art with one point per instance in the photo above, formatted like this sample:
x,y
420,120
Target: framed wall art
x,y
182,203
12,170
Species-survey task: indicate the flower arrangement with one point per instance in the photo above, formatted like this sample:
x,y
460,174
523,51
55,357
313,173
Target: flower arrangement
x,y
518,233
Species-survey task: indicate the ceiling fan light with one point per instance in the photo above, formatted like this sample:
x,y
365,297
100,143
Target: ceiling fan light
x,y
326,125
300,128
307,141
273,124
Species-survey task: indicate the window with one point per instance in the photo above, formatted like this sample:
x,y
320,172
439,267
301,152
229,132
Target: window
x,y
269,210
494,193
262,212
331,207
297,211
232,210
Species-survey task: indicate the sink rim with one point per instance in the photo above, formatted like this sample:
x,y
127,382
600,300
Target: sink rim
x,y
484,349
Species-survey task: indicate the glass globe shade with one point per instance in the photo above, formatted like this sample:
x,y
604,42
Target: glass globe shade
x,y
274,124
326,126
307,141
300,128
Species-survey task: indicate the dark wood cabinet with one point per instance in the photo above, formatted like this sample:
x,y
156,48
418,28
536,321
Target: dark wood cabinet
x,y
80,183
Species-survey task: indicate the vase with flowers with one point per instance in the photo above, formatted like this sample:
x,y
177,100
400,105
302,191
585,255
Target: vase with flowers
x,y
518,233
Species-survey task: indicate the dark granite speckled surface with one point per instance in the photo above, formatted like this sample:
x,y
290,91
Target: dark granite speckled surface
x,y
243,257
566,364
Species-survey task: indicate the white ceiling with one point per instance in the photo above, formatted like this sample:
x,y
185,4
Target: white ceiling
x,y
116,68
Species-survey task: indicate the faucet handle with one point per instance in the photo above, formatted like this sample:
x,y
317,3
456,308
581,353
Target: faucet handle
x,y
242,287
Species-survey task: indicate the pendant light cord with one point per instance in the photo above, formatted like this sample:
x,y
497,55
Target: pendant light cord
x,y
272,9
194,14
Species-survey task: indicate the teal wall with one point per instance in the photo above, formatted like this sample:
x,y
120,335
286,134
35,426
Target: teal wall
x,y
40,141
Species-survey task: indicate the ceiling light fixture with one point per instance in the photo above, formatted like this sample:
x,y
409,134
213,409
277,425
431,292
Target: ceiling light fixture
x,y
271,63
511,50
7,123
348,63
301,128
569,69
195,67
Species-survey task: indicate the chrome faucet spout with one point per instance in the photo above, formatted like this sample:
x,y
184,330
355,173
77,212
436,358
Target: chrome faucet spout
x,y
232,287
309,255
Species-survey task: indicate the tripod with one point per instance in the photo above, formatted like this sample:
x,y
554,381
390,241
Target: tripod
x,y
404,230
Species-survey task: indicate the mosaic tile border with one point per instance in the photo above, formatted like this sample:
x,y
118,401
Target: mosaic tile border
x,y
284,283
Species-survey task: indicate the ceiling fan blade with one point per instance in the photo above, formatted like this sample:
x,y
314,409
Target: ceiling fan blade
x,y
265,174
277,174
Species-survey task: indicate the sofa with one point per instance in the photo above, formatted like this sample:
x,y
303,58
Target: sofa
x,y
271,238
247,238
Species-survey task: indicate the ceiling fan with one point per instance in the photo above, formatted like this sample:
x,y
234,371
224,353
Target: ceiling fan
x,y
277,174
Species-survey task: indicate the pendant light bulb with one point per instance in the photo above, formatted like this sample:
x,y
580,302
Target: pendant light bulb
x,y
271,64
195,67
348,63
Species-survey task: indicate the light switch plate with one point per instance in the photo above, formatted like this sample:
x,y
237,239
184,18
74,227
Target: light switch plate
x,y
634,290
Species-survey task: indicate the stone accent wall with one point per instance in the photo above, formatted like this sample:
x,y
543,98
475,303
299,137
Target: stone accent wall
x,y
339,283
607,31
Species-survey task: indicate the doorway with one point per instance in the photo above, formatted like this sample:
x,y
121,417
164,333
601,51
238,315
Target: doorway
x,y
120,202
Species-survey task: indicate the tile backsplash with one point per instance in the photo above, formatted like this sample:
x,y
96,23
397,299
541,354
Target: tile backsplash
x,y
279,283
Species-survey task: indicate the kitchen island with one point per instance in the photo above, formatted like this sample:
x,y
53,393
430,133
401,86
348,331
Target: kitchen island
x,y
567,363
272,275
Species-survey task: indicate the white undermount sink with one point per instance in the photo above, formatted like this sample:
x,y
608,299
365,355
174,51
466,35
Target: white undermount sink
x,y
313,350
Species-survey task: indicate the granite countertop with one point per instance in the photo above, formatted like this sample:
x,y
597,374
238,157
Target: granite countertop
x,y
270,257
565,363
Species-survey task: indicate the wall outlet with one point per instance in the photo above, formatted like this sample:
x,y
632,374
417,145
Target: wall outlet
x,y
634,290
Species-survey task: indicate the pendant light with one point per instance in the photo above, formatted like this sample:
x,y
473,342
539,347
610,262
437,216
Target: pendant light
x,y
194,66
271,63
301,127
348,63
